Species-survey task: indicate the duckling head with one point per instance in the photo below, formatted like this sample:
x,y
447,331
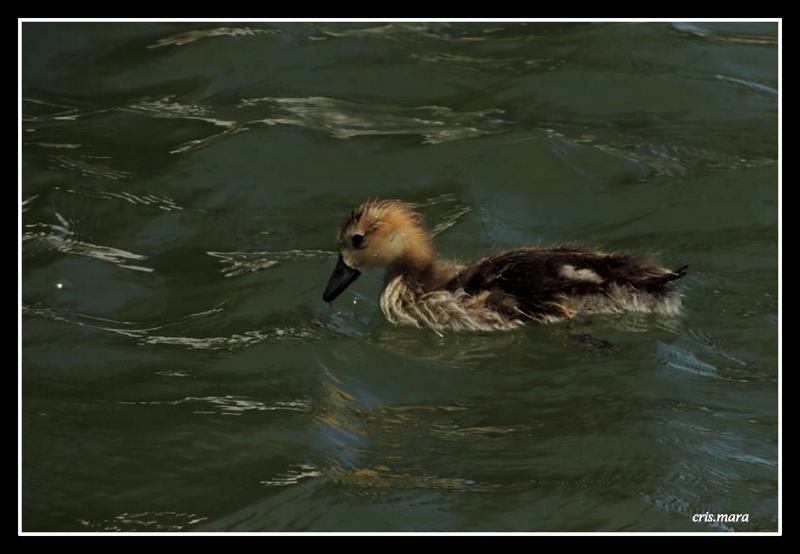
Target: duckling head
x,y
378,233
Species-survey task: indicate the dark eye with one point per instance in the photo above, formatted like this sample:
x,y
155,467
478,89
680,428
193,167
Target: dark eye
x,y
357,240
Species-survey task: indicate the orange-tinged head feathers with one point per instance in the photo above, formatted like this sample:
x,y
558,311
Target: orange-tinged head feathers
x,y
380,233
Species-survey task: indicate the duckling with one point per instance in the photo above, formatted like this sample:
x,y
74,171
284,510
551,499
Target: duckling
x,y
502,291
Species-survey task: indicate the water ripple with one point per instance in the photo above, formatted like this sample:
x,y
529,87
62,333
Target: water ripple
x,y
55,145
663,159
450,209
234,341
724,36
230,404
341,119
143,332
161,202
293,476
167,108
445,32
344,119
26,203
182,39
493,64
239,263
34,109
146,521
751,85
678,358
88,167
58,236
126,328
383,477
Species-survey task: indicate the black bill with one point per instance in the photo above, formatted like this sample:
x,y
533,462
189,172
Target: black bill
x,y
341,278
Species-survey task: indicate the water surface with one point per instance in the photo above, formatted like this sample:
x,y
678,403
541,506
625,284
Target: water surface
x,y
182,185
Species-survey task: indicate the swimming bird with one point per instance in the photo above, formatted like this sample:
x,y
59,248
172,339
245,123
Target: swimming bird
x,y
501,291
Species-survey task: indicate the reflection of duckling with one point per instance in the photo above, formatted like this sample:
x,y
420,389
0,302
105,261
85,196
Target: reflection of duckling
x,y
501,291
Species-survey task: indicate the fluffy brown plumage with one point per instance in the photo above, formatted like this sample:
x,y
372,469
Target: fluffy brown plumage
x,y
501,291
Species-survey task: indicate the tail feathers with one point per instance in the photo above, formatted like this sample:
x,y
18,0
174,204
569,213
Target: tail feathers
x,y
680,272
667,277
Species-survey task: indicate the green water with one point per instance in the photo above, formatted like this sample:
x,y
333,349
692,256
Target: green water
x,y
182,185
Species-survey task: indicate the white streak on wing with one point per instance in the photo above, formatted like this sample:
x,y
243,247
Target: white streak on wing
x,y
569,272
